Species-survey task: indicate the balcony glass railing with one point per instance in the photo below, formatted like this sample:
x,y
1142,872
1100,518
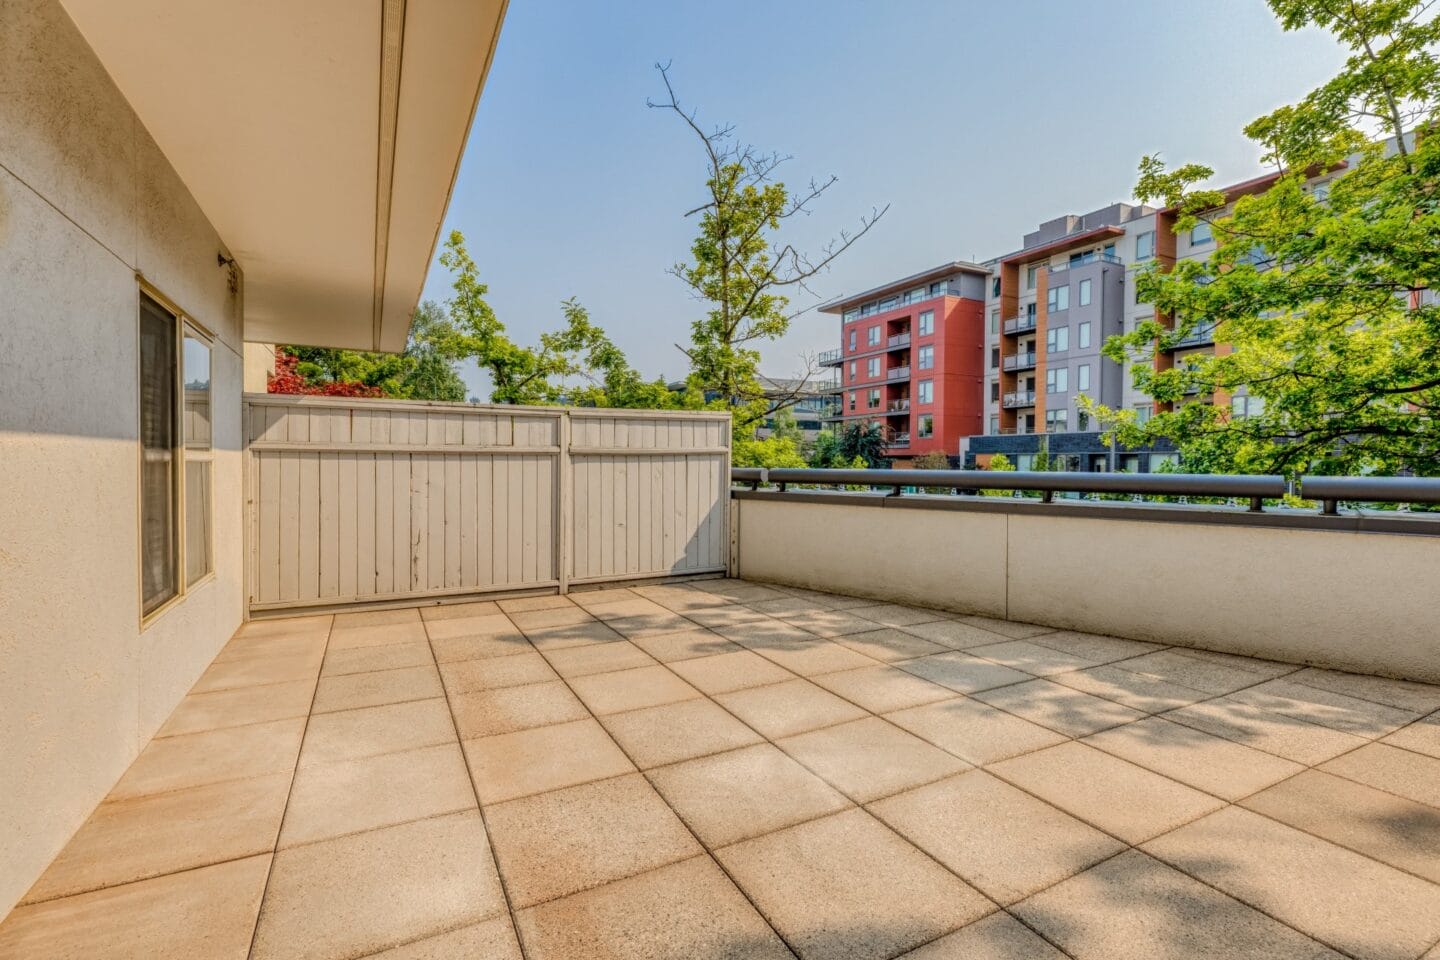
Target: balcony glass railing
x,y
1020,361
1019,398
898,373
899,440
900,406
1087,258
1019,324
831,358
1199,336
899,340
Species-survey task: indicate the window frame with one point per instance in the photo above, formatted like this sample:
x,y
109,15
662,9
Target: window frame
x,y
925,392
925,358
926,323
1084,294
920,432
1149,237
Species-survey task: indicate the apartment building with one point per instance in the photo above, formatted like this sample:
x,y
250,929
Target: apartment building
x,y
912,359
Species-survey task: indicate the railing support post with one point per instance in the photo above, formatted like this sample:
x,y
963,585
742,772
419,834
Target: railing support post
x,y
1330,508
1047,496
894,491
1256,504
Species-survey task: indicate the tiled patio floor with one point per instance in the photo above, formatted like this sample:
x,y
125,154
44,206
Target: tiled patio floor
x,y
727,769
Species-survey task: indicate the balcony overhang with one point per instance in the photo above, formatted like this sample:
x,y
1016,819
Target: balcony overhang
x,y
322,139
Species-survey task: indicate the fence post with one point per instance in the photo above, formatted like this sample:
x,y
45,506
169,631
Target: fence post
x,y
564,507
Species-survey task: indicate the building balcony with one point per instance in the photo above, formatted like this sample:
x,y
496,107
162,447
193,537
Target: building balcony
x,y
1018,398
898,440
899,406
897,341
831,358
1020,361
1021,324
1202,335
1086,259
898,373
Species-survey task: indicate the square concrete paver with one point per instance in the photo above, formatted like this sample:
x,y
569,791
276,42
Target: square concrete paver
x,y
1138,691
1120,798
458,611
376,689
485,713
632,689
558,843
997,937
409,630
1339,897
685,645
1031,657
333,799
511,765
846,887
831,623
730,671
955,634
898,614
370,731
1133,907
743,793
1326,708
467,676
1001,840
1401,694
365,892
1422,736
687,910
1095,646
366,659
1205,762
250,671
815,657
199,712
209,912
1411,775
1059,708
195,759
883,688
1287,737
870,758
889,644
964,673
1186,670
975,732
597,658
677,731
563,636
1014,629
788,708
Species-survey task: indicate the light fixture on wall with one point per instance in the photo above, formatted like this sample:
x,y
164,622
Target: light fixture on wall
x,y
233,271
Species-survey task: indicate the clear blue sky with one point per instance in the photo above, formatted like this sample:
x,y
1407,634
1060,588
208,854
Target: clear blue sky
x,y
973,121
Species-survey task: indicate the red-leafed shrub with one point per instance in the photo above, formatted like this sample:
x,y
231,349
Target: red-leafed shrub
x,y
286,379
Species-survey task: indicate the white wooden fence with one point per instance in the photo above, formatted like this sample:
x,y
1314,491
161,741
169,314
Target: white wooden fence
x,y
356,500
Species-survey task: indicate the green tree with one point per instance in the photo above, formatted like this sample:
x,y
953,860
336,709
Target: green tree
x,y
1000,463
1319,297
769,452
864,442
421,372
741,269
933,461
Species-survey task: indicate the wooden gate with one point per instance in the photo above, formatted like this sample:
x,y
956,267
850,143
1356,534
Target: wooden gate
x,y
351,501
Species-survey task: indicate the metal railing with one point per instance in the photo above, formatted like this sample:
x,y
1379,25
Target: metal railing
x,y
1329,491
1019,398
1088,259
831,358
899,406
1200,336
898,440
898,340
1019,324
898,373
1020,361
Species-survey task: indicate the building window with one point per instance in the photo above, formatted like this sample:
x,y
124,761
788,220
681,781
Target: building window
x,y
926,425
872,367
1031,275
198,457
994,424
994,390
872,336
1085,293
852,341
927,357
1082,333
927,322
1145,245
1109,251
1201,234
926,391
995,286
1057,339
1143,412
1058,298
1082,420
1243,407
994,321
852,371
994,358
1056,421
852,401
872,399
1057,380
1082,377
159,492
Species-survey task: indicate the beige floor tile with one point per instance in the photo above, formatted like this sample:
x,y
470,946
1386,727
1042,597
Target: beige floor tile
x,y
997,937
1120,798
511,765
1033,658
1326,708
1334,895
1422,736
883,688
600,594
532,604
974,731
1221,767
1095,646
488,624
1060,708
209,912
889,644
621,608
847,888
955,634
679,598
743,793
963,673
686,911
377,635
492,939
1135,690
287,645
234,708
371,731
1187,670
632,689
1270,669
1401,772
832,623
286,626
870,758
650,625
1001,840
531,622
1382,826
598,658
677,731
726,615
1401,694
788,606
768,633
725,672
377,618
378,688
1132,907
573,635
899,615
559,843
467,676
485,713
195,759
459,611
739,591
784,709
251,671
130,840
333,799
368,659
1014,629
685,645
1275,733
480,647
815,657
366,892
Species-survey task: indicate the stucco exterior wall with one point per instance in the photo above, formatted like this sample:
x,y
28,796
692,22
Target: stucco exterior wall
x,y
1360,601
87,204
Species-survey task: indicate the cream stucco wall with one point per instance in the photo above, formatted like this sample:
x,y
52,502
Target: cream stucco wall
x,y
87,202
1353,601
